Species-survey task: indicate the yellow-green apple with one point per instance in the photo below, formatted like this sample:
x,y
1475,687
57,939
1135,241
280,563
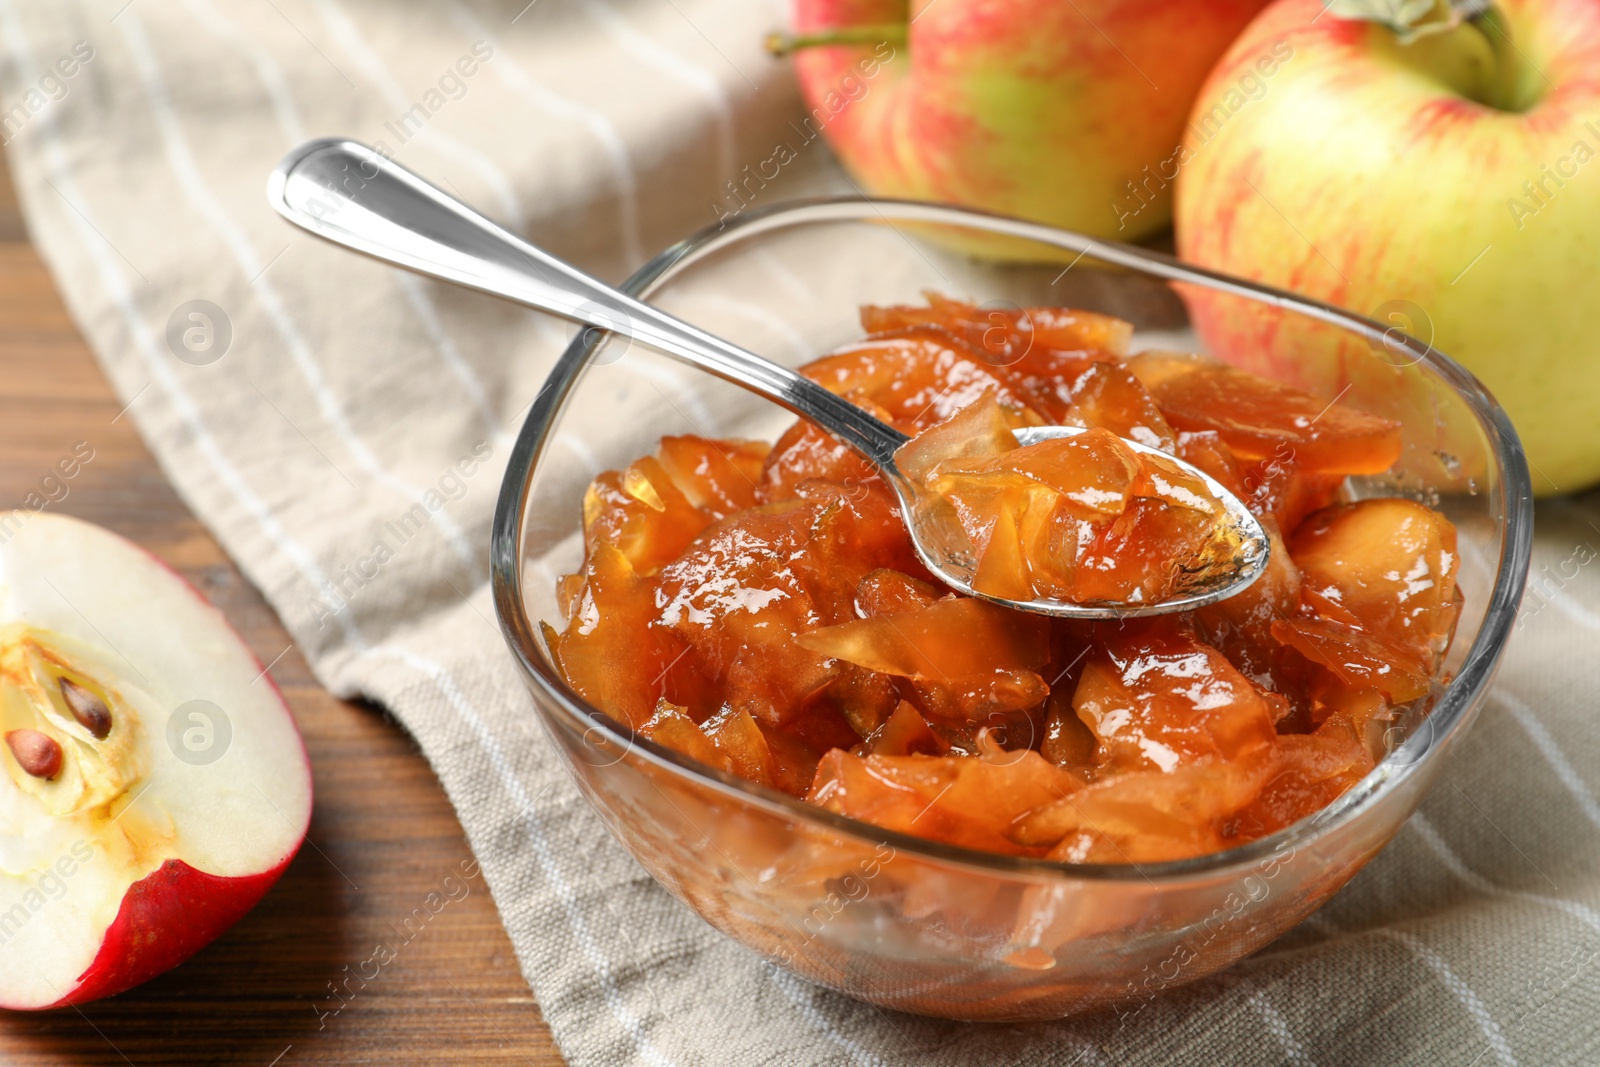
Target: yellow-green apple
x,y
1440,177
154,785
1056,111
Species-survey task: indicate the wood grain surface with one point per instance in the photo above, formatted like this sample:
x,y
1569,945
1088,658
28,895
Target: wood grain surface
x,y
382,837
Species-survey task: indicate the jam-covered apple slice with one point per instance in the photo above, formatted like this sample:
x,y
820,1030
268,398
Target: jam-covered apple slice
x,y
736,600
1359,659
804,453
1182,742
719,477
1260,419
1206,450
951,639
1313,772
962,800
1005,331
1063,363
1150,816
729,741
1379,595
641,513
1090,389
918,377
612,652
1156,698
1287,492
1386,565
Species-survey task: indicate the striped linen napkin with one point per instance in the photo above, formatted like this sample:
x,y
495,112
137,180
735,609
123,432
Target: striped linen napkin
x,y
342,428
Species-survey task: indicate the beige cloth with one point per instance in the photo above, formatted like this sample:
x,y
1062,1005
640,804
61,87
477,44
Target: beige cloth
x,y
349,392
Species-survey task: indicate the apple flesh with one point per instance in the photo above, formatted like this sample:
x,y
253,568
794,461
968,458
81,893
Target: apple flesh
x,y
1446,187
179,790
1059,112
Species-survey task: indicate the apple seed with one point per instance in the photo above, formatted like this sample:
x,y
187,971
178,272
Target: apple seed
x,y
39,754
87,708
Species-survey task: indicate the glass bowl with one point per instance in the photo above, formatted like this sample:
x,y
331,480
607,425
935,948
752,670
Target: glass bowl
x,y
899,921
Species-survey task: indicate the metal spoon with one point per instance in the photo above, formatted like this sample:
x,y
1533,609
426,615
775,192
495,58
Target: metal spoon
x,y
349,194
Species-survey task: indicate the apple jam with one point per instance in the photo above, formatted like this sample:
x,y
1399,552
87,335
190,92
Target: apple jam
x,y
761,609
1082,519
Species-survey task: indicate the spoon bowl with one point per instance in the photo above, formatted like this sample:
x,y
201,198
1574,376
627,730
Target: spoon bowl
x,y
947,553
349,194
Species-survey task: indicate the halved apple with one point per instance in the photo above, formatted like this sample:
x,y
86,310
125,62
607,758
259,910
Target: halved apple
x,y
154,785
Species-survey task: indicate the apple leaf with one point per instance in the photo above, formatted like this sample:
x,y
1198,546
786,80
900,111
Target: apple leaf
x,y
1408,19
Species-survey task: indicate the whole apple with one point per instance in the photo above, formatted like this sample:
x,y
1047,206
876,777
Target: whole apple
x,y
1061,112
1441,183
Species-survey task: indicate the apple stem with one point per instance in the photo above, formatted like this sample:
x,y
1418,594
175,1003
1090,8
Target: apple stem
x,y
1485,17
782,44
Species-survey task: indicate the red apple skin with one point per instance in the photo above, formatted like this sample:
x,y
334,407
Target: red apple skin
x,y
1366,176
1038,108
165,918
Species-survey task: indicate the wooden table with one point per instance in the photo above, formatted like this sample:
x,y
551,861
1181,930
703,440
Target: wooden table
x,y
384,835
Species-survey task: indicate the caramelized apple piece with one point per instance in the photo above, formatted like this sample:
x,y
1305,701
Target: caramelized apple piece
x,y
949,639
978,430
1280,489
1068,742
903,733
1362,715
966,801
1157,367
730,741
1261,419
670,725
736,599
1388,566
1358,659
612,654
1011,531
1003,698
719,477
957,709
1093,389
741,743
794,761
1152,552
1063,363
1005,331
863,699
1095,471
1156,699
854,532
1205,449
642,513
1150,816
1313,770
822,728
886,591
920,377
1000,336
805,453
569,590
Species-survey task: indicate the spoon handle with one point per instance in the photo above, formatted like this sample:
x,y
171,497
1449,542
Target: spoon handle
x,y
347,193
